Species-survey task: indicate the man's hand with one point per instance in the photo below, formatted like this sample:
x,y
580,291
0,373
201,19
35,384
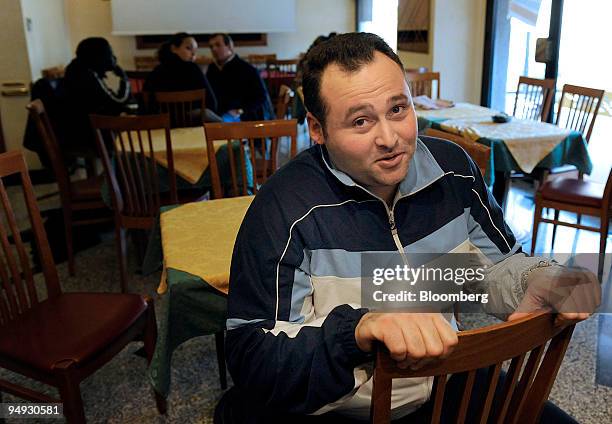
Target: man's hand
x,y
413,339
235,112
573,293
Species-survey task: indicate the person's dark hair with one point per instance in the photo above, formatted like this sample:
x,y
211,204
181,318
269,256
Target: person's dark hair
x,y
227,40
165,51
96,54
350,52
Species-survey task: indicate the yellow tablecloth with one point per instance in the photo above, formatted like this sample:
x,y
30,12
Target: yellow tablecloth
x,y
188,148
459,111
198,238
528,141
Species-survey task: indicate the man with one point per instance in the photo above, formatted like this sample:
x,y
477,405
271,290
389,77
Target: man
x,y
298,341
241,94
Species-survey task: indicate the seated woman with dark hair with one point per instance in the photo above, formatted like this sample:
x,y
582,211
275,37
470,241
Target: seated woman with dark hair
x,y
86,92
178,72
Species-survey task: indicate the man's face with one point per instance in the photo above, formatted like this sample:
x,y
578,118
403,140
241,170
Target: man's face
x,y
220,51
371,126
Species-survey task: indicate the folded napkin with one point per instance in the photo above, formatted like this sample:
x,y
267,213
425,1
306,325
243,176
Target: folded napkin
x,y
426,103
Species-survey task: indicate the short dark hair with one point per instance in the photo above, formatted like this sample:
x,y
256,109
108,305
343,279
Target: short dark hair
x,y
227,40
350,52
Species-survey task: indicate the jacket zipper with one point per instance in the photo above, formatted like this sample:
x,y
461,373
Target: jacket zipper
x,y
394,233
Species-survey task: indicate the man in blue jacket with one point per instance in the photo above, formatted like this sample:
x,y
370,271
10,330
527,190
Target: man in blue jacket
x,y
299,344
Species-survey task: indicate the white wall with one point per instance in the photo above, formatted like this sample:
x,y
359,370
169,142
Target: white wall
x,y
47,36
14,67
88,18
458,43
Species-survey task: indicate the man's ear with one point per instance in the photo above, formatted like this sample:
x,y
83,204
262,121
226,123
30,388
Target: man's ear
x,y
315,129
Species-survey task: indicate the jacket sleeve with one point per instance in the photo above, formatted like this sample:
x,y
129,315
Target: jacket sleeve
x,y
506,262
279,359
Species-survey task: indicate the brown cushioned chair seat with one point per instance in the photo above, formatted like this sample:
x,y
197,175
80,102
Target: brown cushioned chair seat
x,y
88,189
578,192
72,326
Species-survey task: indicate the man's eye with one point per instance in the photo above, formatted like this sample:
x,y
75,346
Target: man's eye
x,y
397,109
359,122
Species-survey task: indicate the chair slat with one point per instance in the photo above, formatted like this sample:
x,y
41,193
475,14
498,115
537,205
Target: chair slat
x,y
21,303
540,389
466,396
492,378
522,390
509,386
26,270
438,398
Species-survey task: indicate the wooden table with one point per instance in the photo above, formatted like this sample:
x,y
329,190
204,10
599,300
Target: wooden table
x,y
515,146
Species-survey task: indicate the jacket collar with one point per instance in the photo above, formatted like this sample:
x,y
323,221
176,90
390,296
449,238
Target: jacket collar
x,y
422,172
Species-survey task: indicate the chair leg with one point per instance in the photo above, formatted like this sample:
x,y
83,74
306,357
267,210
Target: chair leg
x,y
150,338
120,235
603,237
536,222
554,234
220,344
69,240
70,394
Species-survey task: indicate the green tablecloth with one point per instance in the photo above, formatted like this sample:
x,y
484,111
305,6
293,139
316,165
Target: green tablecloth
x,y
178,323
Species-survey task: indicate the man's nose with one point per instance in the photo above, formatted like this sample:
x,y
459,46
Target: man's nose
x,y
386,136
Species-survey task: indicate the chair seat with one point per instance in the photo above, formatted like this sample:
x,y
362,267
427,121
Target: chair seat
x,y
87,189
578,192
72,326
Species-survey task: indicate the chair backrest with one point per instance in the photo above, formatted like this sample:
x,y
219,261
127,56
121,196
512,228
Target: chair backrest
x,y
17,287
186,108
534,98
421,83
528,382
253,141
39,115
582,109
285,95
130,147
480,153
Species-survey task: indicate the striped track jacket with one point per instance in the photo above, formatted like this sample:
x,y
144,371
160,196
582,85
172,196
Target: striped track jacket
x,y
294,298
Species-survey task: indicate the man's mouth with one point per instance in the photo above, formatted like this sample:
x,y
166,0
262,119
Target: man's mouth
x,y
391,160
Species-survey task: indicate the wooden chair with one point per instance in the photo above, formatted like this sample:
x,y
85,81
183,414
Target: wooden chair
x,y
421,83
77,197
128,156
523,342
262,160
480,153
582,109
534,98
577,111
578,196
186,108
66,337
